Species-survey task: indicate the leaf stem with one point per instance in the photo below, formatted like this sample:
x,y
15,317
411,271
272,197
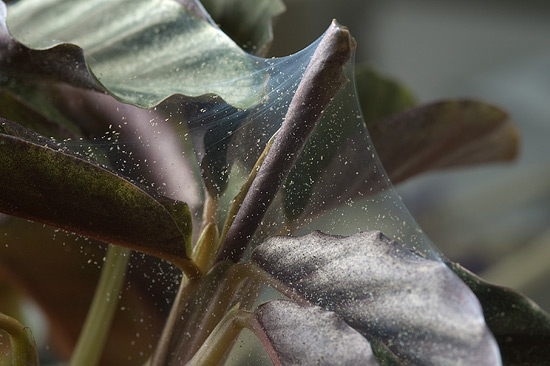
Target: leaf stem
x,y
322,79
161,354
213,350
210,211
239,198
93,336
206,247
23,349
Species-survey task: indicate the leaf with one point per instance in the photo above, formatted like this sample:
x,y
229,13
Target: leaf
x,y
146,147
50,186
521,327
295,334
443,134
60,63
434,136
141,52
380,96
247,22
418,308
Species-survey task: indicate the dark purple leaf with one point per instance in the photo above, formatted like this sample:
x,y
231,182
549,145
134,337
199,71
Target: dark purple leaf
x,y
295,335
418,308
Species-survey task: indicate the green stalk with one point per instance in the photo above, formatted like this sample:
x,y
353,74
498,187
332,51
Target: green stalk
x,y
23,349
206,248
239,198
93,336
221,339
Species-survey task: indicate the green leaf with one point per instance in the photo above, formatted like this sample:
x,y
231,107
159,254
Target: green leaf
x,y
295,334
380,96
521,327
141,51
441,135
420,310
247,22
41,183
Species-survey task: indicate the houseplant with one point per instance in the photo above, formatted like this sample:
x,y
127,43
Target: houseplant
x,y
92,142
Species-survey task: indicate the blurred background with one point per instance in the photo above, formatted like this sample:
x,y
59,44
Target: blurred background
x,y
493,219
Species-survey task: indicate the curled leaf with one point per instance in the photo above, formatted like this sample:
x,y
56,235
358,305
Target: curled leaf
x,y
322,80
61,63
419,309
141,51
296,334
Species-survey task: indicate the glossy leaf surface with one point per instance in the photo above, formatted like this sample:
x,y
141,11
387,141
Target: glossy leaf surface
x,y
140,51
420,310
